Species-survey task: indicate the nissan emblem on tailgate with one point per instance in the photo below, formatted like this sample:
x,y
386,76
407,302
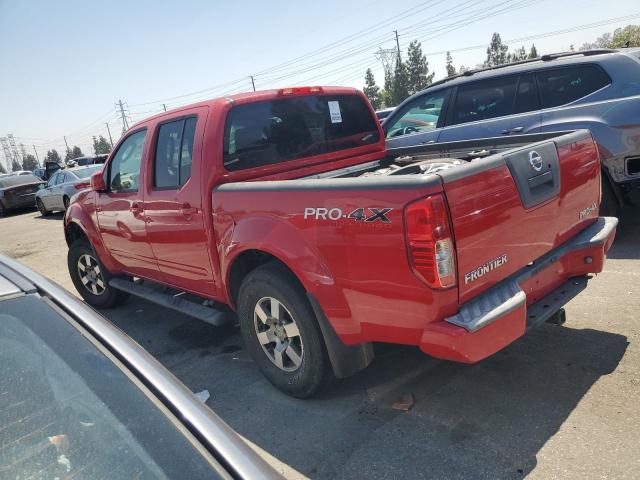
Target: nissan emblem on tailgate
x,y
535,160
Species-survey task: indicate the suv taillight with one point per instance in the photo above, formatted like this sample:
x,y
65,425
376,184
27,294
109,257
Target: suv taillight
x,y
430,242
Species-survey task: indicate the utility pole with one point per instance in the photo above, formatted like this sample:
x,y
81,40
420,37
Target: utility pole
x,y
398,45
125,124
36,152
109,130
164,106
253,83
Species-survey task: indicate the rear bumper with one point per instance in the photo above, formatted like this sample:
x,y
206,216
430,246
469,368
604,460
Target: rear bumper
x,y
20,201
502,314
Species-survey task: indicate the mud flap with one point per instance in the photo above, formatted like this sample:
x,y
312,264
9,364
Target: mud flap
x,y
346,360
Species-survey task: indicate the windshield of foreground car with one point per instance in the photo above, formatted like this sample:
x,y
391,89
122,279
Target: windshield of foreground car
x,y
67,411
87,171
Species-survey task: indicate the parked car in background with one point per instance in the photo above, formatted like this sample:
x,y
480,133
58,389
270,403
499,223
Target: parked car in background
x,y
594,89
381,115
87,160
80,399
18,191
50,168
57,193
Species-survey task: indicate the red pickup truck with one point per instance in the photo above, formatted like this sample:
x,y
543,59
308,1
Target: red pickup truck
x,y
286,207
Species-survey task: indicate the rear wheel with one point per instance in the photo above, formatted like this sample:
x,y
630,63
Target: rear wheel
x,y
90,278
281,332
41,208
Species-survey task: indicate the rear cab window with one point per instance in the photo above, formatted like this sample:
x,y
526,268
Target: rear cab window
x,y
561,86
274,131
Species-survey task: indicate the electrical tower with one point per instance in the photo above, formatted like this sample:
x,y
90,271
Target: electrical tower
x,y
7,152
15,155
387,56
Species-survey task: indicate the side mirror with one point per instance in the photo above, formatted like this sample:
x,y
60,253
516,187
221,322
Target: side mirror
x,y
97,182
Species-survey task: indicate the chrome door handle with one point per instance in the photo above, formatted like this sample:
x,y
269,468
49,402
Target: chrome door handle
x,y
187,209
517,129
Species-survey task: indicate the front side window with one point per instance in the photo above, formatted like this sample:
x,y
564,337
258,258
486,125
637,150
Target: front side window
x,y
420,115
565,85
174,149
124,170
265,133
485,99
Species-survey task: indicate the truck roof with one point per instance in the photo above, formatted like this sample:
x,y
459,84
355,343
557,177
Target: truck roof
x,y
245,97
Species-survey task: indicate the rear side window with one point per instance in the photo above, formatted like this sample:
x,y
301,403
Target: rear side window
x,y
265,133
565,85
174,149
486,99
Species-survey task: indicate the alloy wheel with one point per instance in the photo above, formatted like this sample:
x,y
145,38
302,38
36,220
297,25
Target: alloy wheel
x,y
278,334
90,274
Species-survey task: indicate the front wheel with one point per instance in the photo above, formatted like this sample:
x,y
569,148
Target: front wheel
x,y
41,208
90,278
65,203
281,332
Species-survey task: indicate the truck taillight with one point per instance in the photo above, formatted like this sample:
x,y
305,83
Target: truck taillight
x,y
299,90
430,241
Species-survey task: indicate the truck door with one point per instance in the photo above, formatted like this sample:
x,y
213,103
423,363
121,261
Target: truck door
x,y
173,203
119,210
494,107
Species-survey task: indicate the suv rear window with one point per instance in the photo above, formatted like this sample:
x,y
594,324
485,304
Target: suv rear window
x,y
564,85
265,133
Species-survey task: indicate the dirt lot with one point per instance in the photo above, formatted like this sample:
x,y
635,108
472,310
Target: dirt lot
x,y
563,402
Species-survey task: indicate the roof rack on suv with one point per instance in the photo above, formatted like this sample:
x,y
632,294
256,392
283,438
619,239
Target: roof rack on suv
x,y
544,58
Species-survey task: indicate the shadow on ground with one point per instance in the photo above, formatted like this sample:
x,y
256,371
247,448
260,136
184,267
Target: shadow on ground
x,y
627,242
483,421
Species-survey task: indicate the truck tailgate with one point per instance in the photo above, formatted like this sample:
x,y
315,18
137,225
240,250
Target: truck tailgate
x,y
509,209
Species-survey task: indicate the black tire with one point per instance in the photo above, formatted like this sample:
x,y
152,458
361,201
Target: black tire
x,y
609,206
41,208
65,202
3,211
102,296
273,281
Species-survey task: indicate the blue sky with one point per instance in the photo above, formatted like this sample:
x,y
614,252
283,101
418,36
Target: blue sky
x,y
65,63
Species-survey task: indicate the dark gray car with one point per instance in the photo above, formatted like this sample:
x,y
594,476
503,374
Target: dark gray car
x,y
63,185
80,399
596,89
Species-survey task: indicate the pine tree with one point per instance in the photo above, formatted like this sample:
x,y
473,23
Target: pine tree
x,y
52,156
371,90
451,70
496,52
400,84
533,53
15,165
29,162
101,145
2,169
75,152
417,67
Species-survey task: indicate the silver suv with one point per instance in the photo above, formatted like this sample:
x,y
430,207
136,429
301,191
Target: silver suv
x,y
594,89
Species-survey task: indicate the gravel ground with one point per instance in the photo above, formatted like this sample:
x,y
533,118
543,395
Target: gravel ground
x,y
560,403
